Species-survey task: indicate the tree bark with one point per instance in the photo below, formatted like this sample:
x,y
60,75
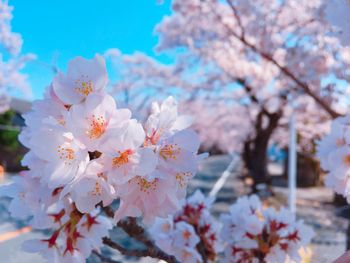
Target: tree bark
x,y
254,154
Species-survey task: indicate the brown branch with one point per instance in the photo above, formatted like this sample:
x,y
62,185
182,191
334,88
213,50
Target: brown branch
x,y
125,251
283,69
137,232
238,18
108,211
249,90
201,250
153,252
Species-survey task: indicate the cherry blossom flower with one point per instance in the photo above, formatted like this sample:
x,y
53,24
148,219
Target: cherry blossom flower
x,y
149,199
84,152
334,153
123,157
83,78
25,202
164,120
254,234
178,239
90,189
196,211
66,157
91,120
190,230
73,240
159,191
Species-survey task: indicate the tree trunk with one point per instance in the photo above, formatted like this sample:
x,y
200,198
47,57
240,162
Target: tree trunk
x,y
308,170
255,150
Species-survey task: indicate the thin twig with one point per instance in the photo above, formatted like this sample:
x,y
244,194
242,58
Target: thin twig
x,y
238,18
152,252
108,211
125,251
304,86
138,233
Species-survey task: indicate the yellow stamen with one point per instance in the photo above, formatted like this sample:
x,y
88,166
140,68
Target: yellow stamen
x,y
347,160
169,151
97,190
66,154
182,178
186,234
146,186
166,227
84,87
61,120
97,127
122,159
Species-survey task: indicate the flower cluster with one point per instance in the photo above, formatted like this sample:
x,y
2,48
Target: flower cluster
x,y
85,152
191,234
254,234
74,234
334,154
176,238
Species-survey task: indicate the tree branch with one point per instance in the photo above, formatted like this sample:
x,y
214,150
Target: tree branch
x,y
153,252
283,69
127,252
137,232
238,18
108,211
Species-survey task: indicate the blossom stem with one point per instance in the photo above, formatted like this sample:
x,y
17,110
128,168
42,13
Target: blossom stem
x,y
153,252
137,232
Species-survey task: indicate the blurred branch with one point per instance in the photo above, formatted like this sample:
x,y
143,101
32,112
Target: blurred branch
x,y
283,69
125,251
238,18
137,232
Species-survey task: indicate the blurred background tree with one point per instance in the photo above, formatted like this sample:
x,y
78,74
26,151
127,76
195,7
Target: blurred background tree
x,y
8,132
11,151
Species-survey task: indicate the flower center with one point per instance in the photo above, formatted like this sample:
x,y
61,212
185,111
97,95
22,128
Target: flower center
x,y
122,159
61,120
166,227
97,189
97,127
169,151
67,154
347,160
146,186
186,234
153,138
84,87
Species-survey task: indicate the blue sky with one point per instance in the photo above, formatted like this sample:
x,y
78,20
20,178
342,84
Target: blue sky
x,y
57,31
